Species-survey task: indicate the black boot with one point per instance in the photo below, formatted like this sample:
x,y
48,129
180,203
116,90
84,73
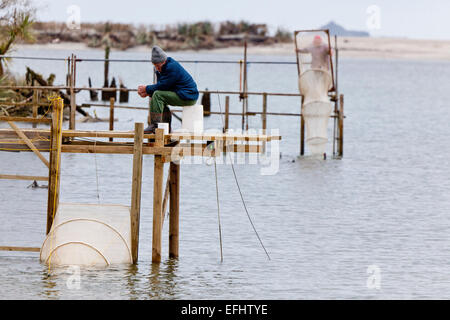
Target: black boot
x,y
155,118
167,117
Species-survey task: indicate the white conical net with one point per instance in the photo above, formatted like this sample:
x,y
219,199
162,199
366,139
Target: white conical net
x,y
314,85
87,234
316,114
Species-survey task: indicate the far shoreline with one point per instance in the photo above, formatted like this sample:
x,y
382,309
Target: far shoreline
x,y
349,47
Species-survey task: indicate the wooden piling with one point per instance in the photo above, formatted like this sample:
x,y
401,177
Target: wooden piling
x,y
174,215
111,115
157,198
341,125
55,160
73,104
264,120
244,96
227,113
136,189
264,113
302,133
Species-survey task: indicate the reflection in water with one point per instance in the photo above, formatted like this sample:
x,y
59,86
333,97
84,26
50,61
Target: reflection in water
x,y
162,279
132,275
49,285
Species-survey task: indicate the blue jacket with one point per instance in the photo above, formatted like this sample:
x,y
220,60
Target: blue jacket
x,y
173,77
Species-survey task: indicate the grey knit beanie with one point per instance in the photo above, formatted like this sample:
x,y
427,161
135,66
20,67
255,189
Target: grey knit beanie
x,y
158,55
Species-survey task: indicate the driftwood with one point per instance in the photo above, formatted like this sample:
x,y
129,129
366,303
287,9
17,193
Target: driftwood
x,y
123,95
32,77
92,93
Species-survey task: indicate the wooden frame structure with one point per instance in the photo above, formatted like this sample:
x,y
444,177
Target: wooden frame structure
x,y
333,93
169,148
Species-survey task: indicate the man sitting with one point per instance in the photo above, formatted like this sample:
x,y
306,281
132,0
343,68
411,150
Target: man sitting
x,y
174,87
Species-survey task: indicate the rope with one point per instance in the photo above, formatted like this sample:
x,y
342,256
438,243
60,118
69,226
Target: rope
x,y
147,61
240,192
96,168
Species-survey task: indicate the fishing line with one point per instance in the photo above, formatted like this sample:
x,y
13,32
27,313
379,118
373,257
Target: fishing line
x,y
218,211
239,189
96,168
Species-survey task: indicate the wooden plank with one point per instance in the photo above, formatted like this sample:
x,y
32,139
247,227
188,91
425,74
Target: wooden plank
x,y
31,133
29,143
19,177
116,149
223,137
26,119
130,135
136,190
174,213
103,134
26,249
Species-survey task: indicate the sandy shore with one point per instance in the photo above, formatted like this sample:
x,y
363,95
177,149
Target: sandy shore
x,y
349,47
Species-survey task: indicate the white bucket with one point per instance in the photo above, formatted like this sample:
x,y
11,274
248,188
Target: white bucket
x,y
192,118
165,126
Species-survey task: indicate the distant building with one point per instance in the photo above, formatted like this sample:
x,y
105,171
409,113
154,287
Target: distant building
x,y
340,31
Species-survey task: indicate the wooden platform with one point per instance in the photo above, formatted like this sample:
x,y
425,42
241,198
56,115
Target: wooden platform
x,y
76,141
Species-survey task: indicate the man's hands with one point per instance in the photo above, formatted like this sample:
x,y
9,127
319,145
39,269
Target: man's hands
x,y
142,92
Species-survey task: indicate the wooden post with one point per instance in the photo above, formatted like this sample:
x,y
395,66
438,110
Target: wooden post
x,y
302,133
341,125
244,98
227,113
157,198
73,105
174,216
136,189
264,120
264,113
111,115
55,161
35,106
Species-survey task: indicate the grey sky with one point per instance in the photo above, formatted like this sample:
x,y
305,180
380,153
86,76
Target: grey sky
x,y
414,19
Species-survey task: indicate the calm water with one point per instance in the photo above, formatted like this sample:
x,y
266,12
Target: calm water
x,y
386,204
